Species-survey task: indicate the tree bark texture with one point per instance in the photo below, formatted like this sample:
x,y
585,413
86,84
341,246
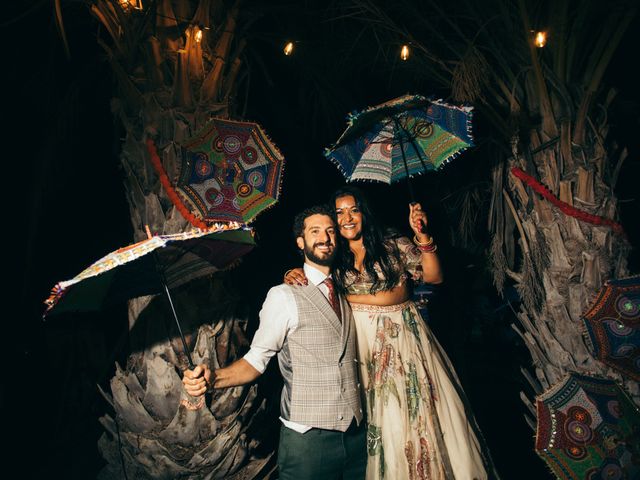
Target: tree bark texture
x,y
177,64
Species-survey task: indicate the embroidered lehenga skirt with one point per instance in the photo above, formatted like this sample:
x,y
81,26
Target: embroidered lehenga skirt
x,y
417,426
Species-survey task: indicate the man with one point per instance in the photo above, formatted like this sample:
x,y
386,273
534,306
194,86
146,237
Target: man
x,y
311,329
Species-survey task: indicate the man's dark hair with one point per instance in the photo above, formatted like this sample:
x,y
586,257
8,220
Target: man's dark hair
x,y
379,249
298,221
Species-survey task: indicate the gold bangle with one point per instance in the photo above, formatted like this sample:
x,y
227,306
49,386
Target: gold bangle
x,y
419,243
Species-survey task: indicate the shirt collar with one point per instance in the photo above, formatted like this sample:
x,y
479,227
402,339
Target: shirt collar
x,y
314,275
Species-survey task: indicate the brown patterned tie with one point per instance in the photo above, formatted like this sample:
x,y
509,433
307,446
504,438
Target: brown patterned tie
x,y
332,297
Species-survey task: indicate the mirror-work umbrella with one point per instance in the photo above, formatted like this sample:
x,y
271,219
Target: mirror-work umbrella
x,y
401,138
612,326
231,171
150,267
588,428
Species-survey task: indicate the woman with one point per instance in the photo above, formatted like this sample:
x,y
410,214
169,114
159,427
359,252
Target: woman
x,y
417,426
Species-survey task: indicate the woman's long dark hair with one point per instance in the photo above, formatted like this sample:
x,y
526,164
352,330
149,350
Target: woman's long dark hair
x,y
379,251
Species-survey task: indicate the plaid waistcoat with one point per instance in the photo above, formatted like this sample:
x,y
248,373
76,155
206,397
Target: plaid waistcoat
x,y
318,365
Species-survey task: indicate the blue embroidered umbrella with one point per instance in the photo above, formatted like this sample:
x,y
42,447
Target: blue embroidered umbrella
x,y
401,138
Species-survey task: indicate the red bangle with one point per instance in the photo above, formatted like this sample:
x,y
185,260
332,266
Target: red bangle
x,y
428,248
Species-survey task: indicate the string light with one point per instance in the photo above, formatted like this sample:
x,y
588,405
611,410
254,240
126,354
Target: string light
x,y
131,4
404,52
540,39
288,49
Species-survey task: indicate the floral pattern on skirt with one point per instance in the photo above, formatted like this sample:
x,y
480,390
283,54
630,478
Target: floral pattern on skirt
x,y
417,426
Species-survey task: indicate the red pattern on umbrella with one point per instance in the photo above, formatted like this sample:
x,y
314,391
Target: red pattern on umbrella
x,y
231,171
588,428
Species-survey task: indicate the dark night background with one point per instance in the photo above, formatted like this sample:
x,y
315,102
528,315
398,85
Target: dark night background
x,y
67,208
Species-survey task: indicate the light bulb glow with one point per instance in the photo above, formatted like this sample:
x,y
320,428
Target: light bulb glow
x,y
404,52
288,49
198,35
541,39
128,5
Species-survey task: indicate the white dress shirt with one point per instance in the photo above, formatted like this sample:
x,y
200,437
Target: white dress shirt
x,y
279,317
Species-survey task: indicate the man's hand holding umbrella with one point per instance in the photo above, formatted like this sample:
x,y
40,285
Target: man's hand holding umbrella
x,y
202,379
197,381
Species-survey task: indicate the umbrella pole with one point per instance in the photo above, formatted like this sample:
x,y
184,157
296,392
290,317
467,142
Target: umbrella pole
x,y
173,310
417,150
413,144
412,197
175,317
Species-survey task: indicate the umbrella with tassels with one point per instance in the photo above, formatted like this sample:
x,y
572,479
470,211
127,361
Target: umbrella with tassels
x,y
401,138
152,266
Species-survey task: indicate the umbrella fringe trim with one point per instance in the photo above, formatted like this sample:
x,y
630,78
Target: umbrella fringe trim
x,y
149,244
353,116
445,162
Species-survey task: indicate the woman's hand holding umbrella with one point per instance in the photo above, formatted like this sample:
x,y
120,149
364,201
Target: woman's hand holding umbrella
x,y
418,222
431,270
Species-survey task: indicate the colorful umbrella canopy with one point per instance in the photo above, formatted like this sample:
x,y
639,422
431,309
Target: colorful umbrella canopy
x,y
401,138
612,326
231,171
588,428
151,266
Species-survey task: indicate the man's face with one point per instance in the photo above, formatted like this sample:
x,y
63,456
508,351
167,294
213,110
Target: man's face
x,y
319,239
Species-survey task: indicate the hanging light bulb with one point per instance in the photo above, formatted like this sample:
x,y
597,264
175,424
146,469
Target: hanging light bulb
x,y
540,39
288,49
404,52
198,35
131,4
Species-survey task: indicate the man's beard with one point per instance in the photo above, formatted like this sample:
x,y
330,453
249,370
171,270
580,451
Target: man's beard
x,y
325,262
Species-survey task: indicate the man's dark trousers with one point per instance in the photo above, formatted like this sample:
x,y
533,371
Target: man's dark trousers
x,y
323,454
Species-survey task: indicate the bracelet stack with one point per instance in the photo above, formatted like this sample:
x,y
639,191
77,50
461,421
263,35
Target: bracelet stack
x,y
425,247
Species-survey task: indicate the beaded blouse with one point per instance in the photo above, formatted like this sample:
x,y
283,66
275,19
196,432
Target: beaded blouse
x,y
410,266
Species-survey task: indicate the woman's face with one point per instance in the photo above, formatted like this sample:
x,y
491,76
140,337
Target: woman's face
x,y
349,217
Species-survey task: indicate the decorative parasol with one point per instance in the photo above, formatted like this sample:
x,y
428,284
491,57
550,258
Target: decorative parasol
x,y
401,138
231,171
152,266
612,326
588,428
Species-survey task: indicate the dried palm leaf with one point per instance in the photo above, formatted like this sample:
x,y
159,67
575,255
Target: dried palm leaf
x,y
470,76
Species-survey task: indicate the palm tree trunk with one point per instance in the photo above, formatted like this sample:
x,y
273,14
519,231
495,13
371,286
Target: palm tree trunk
x,y
176,65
